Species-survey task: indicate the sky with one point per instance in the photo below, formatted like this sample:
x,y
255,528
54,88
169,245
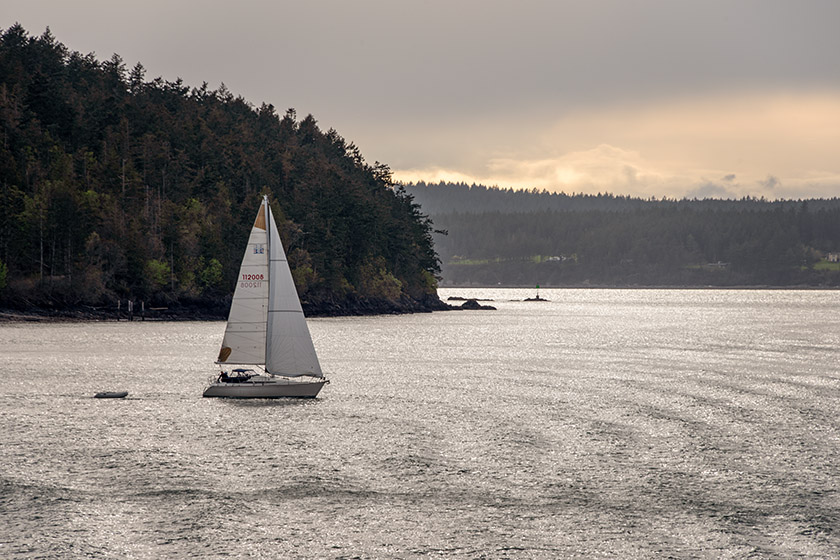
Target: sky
x,y
650,98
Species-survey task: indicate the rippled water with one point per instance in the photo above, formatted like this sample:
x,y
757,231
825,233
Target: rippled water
x,y
604,423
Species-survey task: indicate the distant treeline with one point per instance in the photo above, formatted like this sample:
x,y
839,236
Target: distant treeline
x,y
443,197
531,237
115,187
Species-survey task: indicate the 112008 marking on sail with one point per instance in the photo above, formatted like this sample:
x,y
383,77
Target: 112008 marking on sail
x,y
251,280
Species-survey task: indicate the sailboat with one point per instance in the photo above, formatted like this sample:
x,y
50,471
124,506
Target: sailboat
x,y
266,326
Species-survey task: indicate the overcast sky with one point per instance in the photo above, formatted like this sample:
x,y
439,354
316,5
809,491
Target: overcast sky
x,y
638,97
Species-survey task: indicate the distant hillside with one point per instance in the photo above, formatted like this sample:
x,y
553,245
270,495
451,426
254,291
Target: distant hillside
x,y
114,187
496,236
443,198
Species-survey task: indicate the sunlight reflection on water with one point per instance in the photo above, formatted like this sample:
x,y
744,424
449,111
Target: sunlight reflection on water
x,y
602,423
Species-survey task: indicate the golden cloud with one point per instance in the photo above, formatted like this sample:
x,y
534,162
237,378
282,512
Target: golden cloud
x,y
727,145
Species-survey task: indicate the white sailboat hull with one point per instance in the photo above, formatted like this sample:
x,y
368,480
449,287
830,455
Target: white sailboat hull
x,y
266,389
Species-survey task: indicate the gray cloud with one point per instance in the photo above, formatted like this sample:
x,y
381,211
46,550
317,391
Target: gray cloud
x,y
770,183
402,78
443,57
711,190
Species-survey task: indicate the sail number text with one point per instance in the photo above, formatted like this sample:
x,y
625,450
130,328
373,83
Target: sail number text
x,y
251,280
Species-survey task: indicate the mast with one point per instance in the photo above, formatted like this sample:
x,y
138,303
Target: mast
x,y
268,223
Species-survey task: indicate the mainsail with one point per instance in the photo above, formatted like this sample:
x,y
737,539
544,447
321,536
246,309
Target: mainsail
x,y
244,340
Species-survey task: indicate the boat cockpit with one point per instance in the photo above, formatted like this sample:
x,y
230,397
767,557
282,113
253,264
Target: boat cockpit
x,y
238,375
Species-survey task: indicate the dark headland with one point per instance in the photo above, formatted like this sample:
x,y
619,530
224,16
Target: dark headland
x,y
117,188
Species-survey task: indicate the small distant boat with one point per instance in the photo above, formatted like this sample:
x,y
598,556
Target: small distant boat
x,y
111,395
266,326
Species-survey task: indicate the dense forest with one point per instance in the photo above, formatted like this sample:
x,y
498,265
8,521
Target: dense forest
x,y
115,188
501,236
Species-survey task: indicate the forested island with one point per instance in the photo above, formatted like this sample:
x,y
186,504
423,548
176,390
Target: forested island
x,y
523,238
115,189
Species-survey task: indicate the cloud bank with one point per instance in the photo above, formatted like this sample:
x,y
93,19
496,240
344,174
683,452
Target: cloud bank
x,y
771,145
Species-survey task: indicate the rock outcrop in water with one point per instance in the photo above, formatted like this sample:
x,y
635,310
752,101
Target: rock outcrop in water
x,y
471,304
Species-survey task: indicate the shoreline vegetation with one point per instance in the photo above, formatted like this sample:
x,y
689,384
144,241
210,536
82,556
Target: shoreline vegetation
x,y
116,188
196,312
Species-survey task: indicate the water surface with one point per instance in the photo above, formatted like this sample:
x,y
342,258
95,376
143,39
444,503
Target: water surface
x,y
602,423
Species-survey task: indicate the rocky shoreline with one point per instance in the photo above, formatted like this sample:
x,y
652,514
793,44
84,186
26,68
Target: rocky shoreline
x,y
219,311
354,307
